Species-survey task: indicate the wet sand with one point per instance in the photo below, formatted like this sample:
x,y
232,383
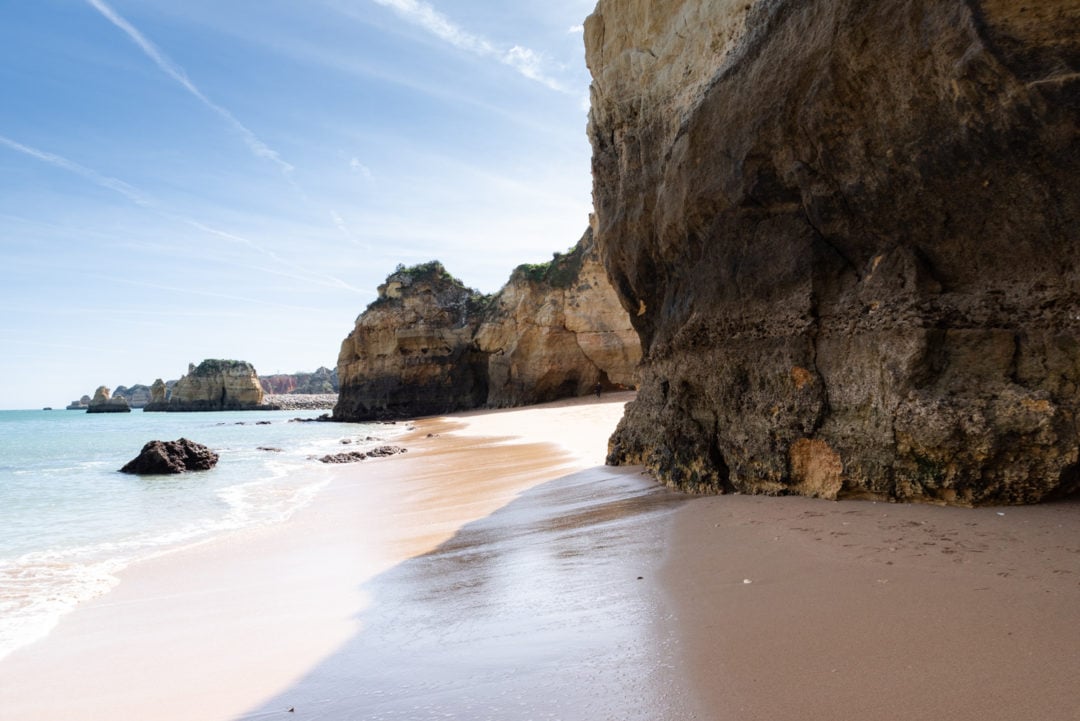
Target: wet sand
x,y
499,571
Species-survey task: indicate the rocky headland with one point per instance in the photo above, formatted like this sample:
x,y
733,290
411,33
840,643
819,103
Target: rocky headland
x,y
321,382
846,234
103,402
213,385
430,345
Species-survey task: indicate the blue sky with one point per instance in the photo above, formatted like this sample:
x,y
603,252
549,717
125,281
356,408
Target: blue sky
x,y
233,178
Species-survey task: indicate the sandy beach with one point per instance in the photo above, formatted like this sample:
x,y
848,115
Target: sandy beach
x,y
500,571
491,572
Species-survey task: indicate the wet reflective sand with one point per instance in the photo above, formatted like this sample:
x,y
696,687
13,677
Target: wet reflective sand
x,y
536,612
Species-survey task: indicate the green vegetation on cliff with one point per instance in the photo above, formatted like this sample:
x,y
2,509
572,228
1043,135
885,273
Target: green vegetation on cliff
x,y
434,272
212,366
559,272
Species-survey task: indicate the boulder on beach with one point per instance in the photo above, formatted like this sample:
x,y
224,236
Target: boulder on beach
x,y
357,456
166,457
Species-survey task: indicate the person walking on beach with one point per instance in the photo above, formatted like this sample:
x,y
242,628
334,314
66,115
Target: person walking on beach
x,y
597,388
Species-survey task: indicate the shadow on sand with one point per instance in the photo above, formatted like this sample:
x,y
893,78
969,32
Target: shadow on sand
x,y
545,609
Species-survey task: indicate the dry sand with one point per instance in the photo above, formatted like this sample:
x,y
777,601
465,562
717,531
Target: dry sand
x,y
798,609
499,571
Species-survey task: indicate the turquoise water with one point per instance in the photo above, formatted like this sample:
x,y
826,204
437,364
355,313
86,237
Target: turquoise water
x,y
69,521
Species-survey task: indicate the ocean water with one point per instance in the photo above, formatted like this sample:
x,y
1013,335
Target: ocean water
x,y
69,521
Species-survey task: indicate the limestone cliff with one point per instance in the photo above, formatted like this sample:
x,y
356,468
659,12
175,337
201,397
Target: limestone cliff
x,y
137,395
159,391
213,385
556,330
322,381
847,232
411,351
102,402
430,345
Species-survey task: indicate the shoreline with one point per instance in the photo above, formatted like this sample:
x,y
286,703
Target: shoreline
x,y
499,570
236,620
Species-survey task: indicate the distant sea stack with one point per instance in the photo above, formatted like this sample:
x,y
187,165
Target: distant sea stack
x,y
80,405
104,403
213,385
847,233
430,345
137,396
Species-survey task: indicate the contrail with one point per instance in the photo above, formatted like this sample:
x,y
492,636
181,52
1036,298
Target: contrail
x,y
177,73
93,176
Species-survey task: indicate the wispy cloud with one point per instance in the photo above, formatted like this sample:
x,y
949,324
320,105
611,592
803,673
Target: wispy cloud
x,y
143,200
575,30
357,167
527,62
177,73
93,176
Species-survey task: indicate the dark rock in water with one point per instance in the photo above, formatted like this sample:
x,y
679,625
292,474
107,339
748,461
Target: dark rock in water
x,y
270,449
847,234
165,457
324,418
351,457
264,423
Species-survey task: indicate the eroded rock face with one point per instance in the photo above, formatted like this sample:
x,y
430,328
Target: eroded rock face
x,y
104,403
322,381
213,385
557,331
411,351
158,391
137,396
847,231
429,345
168,457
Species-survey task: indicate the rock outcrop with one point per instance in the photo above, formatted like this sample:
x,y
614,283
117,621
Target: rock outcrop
x,y
556,330
80,405
168,457
429,345
159,391
137,396
411,352
847,234
102,402
213,385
